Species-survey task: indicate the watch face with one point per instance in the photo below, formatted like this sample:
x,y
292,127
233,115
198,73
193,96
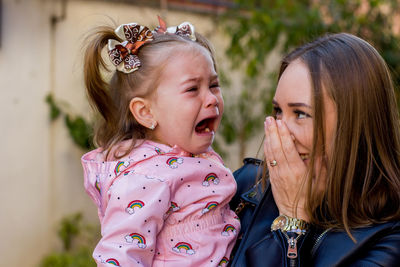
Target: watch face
x,y
279,223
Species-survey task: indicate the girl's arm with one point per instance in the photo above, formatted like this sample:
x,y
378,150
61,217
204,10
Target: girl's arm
x,y
132,220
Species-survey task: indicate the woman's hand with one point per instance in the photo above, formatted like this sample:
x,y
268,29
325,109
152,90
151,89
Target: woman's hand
x,y
286,169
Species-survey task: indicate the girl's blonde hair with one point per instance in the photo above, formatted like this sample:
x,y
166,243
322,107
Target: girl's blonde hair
x,y
111,98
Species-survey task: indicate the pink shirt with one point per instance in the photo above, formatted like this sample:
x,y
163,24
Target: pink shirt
x,y
160,206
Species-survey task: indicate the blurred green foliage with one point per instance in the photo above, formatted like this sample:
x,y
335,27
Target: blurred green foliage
x,y
80,130
70,228
259,27
78,240
54,109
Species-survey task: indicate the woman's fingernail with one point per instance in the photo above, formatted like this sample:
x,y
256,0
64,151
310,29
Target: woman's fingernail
x,y
268,121
279,122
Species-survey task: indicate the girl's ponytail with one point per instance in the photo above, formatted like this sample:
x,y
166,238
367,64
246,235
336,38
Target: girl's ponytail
x,y
96,87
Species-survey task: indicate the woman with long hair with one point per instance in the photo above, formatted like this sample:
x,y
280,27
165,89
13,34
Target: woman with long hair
x,y
332,150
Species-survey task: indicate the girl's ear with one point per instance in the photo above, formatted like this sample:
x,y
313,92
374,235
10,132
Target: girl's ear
x,y
141,111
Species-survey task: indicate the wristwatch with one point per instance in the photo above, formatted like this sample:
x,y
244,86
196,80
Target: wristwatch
x,y
289,224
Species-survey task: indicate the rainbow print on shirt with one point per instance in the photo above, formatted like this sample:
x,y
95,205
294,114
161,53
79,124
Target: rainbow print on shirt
x,y
121,165
128,172
174,161
211,177
183,247
172,208
138,204
141,241
113,262
159,151
228,228
97,185
210,205
223,262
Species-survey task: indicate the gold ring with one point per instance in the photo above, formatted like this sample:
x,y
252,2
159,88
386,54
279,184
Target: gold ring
x,y
273,163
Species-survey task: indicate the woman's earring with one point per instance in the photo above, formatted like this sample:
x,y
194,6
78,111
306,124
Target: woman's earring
x,y
153,125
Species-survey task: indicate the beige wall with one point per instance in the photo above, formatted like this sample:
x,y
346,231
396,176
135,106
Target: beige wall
x,y
41,172
25,180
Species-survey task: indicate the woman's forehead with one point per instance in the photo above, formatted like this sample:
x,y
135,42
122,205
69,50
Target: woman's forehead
x,y
295,84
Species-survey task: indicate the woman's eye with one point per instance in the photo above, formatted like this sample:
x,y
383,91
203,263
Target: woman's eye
x,y
301,114
277,112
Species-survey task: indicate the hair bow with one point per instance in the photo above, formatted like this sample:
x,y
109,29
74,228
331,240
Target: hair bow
x,y
133,36
184,29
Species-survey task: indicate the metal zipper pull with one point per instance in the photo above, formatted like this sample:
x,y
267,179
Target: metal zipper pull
x,y
292,248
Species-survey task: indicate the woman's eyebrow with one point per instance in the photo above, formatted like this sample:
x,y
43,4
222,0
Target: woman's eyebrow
x,y
292,104
299,105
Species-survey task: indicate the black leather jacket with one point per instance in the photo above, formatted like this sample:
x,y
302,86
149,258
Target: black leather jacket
x,y
377,245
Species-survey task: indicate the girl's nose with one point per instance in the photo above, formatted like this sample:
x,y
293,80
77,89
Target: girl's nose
x,y
211,99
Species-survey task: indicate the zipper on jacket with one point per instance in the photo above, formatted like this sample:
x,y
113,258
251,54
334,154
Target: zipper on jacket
x,y
318,241
292,249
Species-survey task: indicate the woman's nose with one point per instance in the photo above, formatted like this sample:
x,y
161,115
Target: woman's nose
x,y
289,126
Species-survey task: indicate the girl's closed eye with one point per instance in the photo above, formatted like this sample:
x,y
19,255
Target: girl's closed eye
x,y
214,85
192,89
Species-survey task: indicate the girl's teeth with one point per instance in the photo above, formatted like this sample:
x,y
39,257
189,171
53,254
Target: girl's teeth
x,y
207,130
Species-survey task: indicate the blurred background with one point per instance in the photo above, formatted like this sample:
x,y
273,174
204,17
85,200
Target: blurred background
x,y
46,217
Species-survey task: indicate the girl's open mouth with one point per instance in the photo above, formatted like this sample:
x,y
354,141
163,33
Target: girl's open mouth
x,y
205,126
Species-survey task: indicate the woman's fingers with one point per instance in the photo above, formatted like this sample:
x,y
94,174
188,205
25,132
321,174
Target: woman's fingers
x,y
275,145
287,142
286,176
278,173
269,157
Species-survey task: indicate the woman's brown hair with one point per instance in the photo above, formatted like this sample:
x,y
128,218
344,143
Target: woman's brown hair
x,y
111,97
362,184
